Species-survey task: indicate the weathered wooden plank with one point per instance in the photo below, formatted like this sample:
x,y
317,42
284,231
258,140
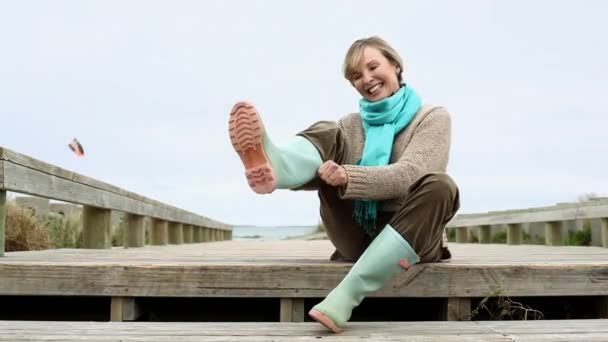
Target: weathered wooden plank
x,y
558,330
96,227
459,309
66,186
250,331
2,220
298,269
134,229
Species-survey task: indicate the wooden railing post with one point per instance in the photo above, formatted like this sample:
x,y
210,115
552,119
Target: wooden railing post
x,y
159,235
176,233
2,220
485,234
462,234
134,230
188,233
96,227
553,233
514,234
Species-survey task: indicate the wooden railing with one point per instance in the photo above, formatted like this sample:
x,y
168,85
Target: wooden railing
x,y
26,175
553,217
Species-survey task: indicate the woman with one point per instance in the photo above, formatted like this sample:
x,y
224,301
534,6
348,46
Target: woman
x,y
379,173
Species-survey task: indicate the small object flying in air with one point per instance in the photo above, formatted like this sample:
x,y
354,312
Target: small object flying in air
x,y
76,147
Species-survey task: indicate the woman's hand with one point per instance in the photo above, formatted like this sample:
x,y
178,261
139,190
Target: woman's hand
x,y
333,174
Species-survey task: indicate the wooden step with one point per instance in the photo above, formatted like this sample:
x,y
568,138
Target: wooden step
x,y
296,270
556,330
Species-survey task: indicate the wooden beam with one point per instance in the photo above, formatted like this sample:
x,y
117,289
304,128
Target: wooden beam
x,y
96,226
124,309
159,233
1,173
134,231
2,221
298,313
298,269
462,234
292,310
553,233
514,233
197,234
604,222
286,312
459,309
485,234
593,209
176,233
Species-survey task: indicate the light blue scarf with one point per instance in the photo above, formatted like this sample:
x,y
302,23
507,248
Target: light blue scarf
x,y
382,120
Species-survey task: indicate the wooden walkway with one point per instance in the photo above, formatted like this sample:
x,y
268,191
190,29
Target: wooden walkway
x,y
295,270
562,330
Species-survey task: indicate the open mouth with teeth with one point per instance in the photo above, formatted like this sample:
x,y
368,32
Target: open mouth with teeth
x,y
374,89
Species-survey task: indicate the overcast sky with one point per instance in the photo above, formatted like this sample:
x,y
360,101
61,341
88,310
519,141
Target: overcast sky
x,y
146,86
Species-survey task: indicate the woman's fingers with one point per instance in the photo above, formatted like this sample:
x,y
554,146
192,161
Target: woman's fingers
x,y
332,173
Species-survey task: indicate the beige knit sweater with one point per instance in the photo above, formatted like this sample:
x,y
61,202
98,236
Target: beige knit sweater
x,y
422,147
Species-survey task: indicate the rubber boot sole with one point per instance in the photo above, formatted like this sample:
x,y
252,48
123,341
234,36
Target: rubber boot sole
x,y
246,135
326,321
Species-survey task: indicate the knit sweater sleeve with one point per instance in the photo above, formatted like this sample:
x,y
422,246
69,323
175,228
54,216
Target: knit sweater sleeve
x,y
427,151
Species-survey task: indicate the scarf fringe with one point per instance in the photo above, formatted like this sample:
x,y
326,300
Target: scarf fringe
x,y
366,214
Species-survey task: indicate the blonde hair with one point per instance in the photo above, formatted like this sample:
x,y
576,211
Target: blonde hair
x,y
354,53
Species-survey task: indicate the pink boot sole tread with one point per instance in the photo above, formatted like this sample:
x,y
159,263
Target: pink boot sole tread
x,y
246,135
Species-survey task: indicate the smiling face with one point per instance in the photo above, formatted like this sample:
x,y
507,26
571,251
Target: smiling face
x,y
374,76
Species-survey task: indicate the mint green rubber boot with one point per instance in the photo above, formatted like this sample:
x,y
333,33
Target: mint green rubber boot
x,y
384,257
269,166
